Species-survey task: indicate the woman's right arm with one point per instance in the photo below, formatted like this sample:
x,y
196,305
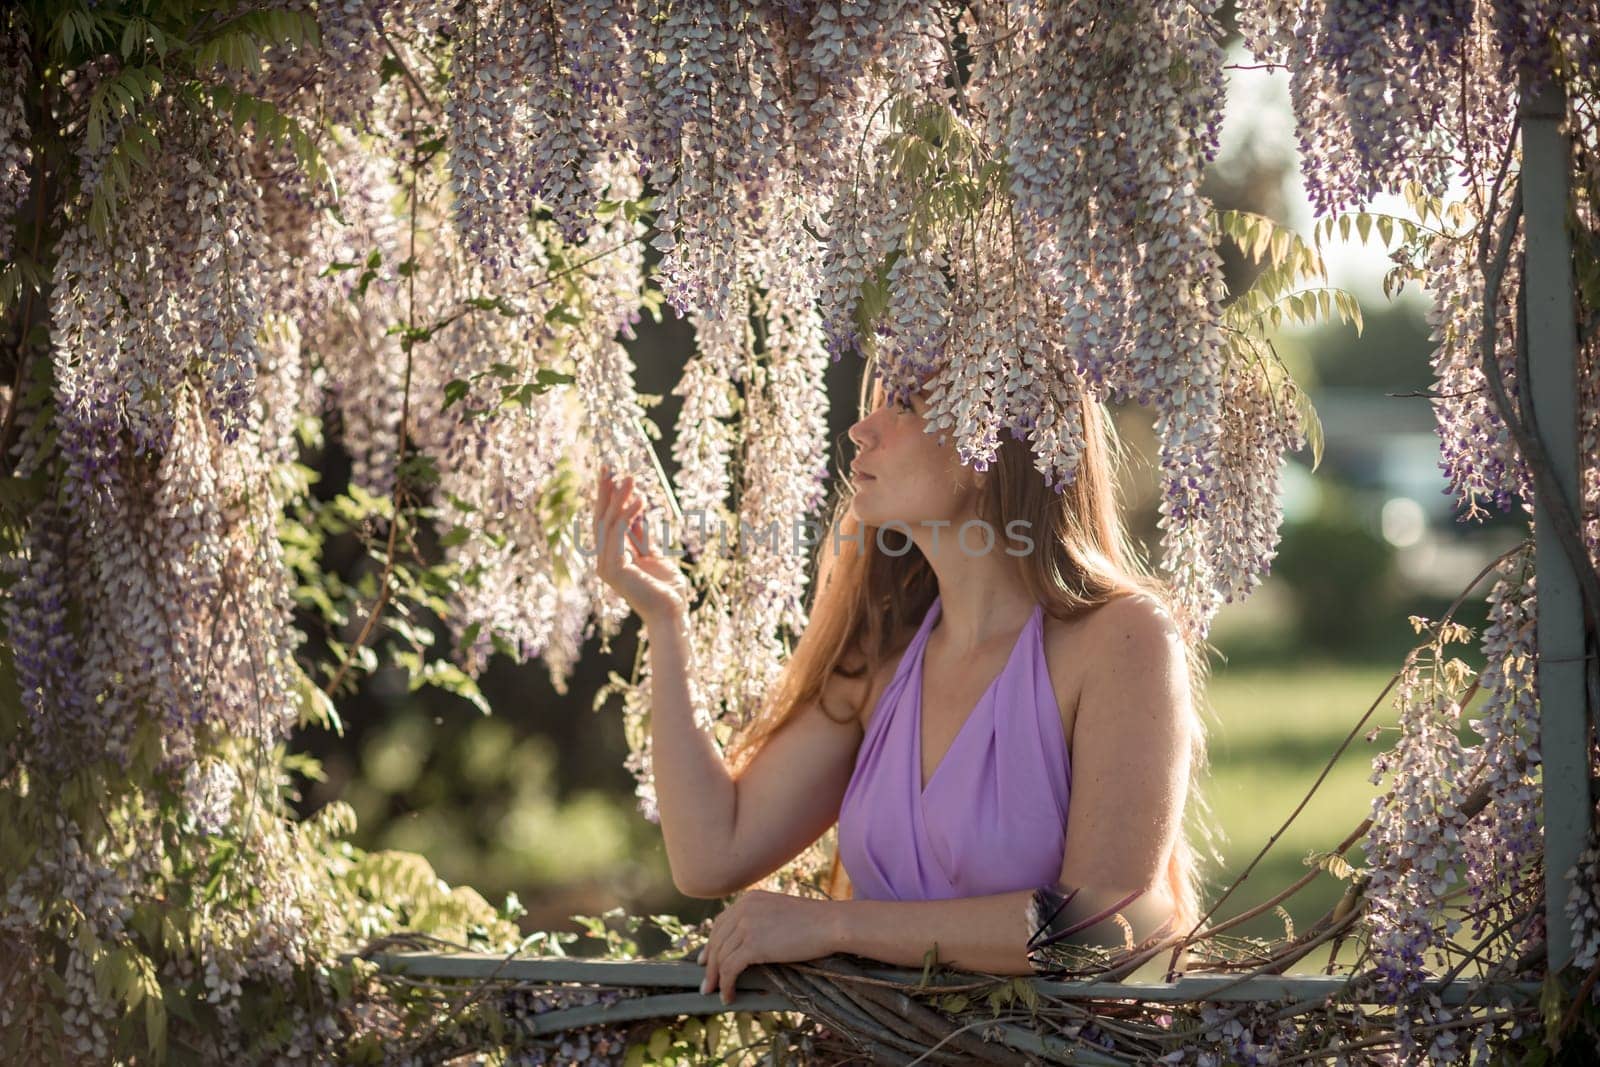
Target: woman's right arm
x,y
722,834
697,798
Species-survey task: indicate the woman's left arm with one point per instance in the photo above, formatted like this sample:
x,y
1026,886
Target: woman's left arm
x,y
1132,745
986,934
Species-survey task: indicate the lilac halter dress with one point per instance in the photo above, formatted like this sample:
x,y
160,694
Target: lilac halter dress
x,y
993,817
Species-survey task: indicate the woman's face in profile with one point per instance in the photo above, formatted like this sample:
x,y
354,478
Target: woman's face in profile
x,y
903,473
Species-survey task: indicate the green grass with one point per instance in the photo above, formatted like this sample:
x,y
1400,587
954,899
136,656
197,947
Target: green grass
x,y
1273,733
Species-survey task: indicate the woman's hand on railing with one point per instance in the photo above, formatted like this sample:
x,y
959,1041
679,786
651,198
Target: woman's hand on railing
x,y
652,584
763,927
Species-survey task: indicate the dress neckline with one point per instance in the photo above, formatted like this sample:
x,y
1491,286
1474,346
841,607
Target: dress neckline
x,y
934,609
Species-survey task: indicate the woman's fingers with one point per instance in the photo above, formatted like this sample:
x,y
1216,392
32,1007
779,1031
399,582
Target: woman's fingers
x,y
729,964
654,563
732,967
624,518
610,556
717,946
710,961
715,954
638,535
608,508
624,558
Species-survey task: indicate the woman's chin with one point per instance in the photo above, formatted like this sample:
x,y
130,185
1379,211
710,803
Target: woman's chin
x,y
868,514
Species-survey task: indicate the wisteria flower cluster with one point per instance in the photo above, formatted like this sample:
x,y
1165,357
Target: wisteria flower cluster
x,y
1407,100
16,157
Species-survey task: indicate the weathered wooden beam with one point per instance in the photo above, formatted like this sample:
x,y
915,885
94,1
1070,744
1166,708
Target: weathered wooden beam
x,y
1552,390
755,990
665,1006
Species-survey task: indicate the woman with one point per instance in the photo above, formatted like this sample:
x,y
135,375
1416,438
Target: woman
x,y
991,729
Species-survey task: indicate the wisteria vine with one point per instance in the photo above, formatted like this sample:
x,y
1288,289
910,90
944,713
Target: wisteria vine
x,y
427,230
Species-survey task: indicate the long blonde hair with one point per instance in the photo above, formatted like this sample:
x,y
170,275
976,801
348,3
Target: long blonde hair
x,y
866,603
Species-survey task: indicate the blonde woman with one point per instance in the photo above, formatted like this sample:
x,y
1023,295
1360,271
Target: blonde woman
x,y
994,730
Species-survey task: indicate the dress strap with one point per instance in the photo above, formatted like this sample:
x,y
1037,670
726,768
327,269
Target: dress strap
x,y
890,697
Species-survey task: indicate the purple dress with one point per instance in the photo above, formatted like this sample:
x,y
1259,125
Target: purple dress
x,y
993,817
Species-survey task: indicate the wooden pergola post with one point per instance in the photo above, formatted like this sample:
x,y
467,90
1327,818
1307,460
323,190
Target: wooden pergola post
x,y
1552,389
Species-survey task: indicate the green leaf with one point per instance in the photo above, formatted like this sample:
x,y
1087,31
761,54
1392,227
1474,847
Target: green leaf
x,y
79,26
1349,309
19,496
155,1023
1313,426
1552,1006
652,300
237,52
218,867
134,147
564,315
1025,990
419,470
452,679
455,391
496,1021
342,981
316,706
660,1041
113,974
272,127
930,960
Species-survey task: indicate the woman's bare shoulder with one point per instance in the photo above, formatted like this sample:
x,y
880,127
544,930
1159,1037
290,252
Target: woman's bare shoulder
x,y
1140,670
1135,623
1076,647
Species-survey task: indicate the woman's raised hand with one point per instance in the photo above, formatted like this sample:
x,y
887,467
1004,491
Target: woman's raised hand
x,y
651,583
